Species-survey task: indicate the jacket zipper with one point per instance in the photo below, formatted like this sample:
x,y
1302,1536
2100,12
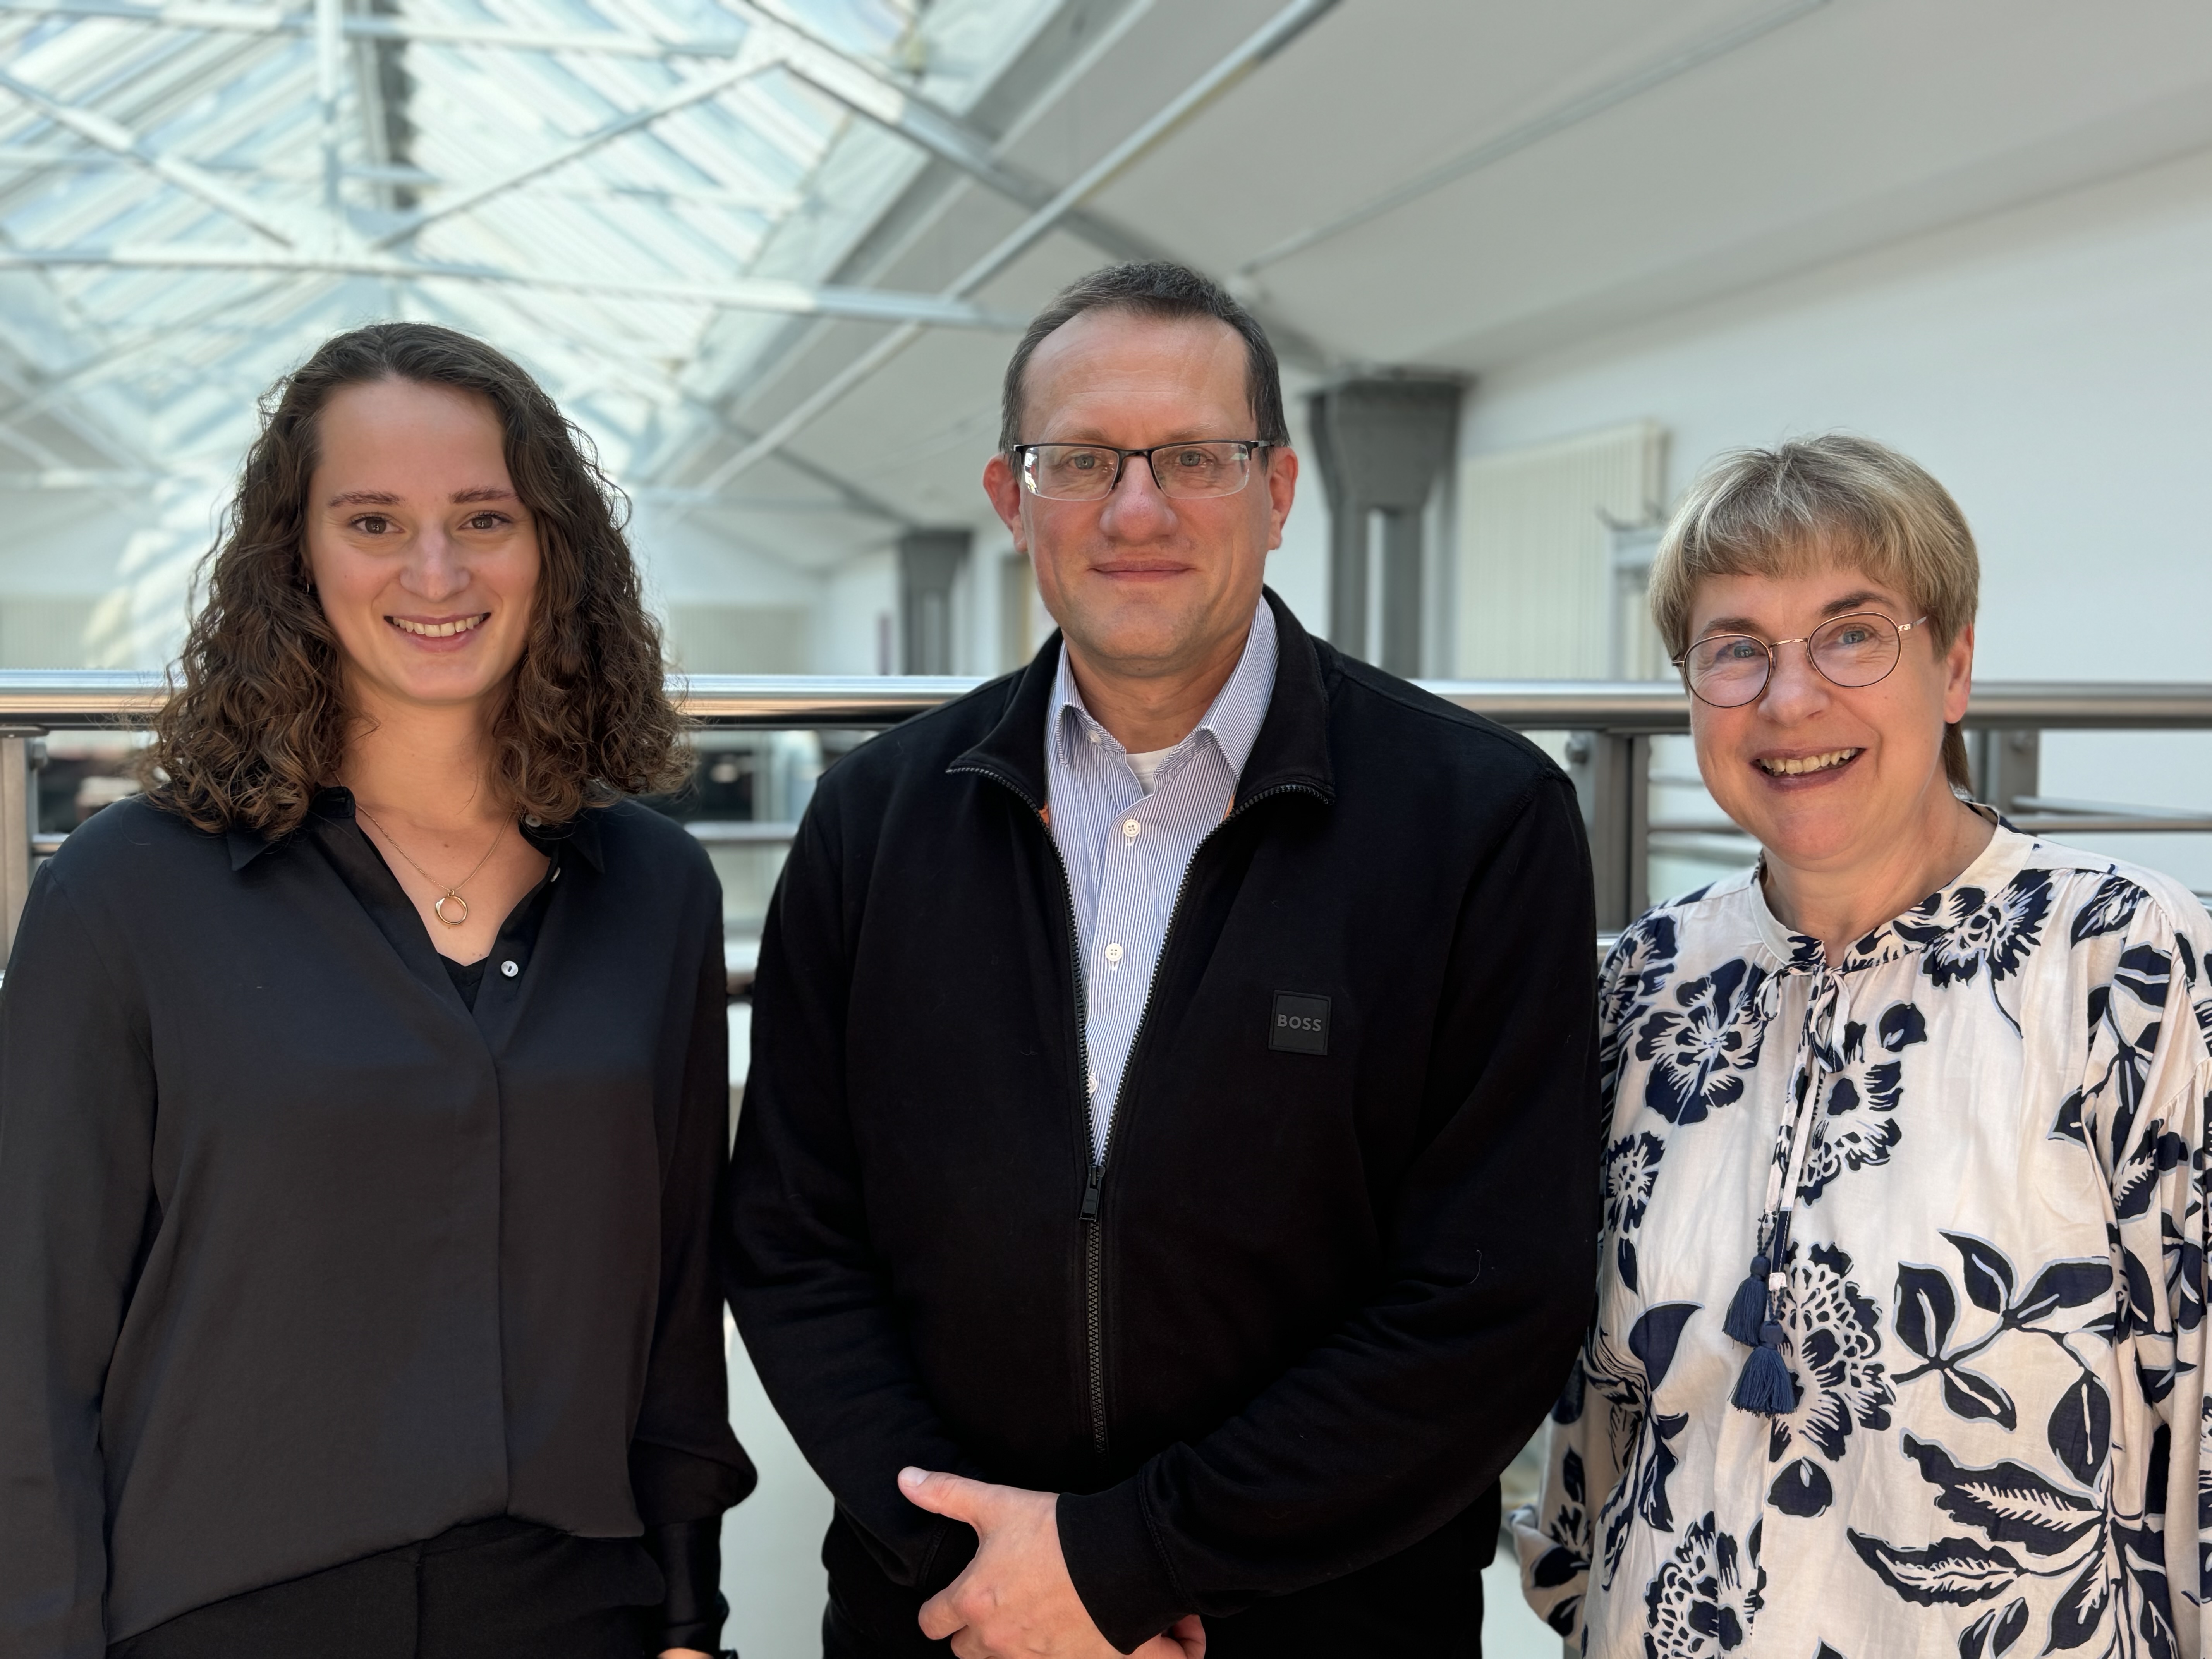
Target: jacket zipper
x,y
1094,1245
1094,1229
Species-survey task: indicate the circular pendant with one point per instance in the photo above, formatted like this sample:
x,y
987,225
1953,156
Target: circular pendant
x,y
439,910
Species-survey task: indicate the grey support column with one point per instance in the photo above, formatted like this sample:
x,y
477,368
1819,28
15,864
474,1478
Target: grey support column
x,y
929,561
1381,444
1612,773
2007,764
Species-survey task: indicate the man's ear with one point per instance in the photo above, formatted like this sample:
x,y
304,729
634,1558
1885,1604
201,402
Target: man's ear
x,y
1004,490
1282,488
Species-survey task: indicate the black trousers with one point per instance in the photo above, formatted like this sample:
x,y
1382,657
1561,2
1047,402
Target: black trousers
x,y
497,1589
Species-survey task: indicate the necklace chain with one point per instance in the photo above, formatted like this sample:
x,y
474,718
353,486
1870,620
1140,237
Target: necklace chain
x,y
453,894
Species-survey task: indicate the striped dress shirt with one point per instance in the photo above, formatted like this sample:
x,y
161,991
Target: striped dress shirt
x,y
1126,850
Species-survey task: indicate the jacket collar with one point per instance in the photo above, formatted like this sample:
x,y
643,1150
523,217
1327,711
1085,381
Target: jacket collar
x,y
335,806
1290,753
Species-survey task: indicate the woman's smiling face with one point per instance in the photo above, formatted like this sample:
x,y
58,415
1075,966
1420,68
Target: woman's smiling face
x,y
424,558
1827,776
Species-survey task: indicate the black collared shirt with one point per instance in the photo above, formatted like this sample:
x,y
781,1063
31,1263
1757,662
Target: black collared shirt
x,y
301,1259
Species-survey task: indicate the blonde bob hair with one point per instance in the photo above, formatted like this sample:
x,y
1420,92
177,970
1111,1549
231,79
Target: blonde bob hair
x,y
1834,499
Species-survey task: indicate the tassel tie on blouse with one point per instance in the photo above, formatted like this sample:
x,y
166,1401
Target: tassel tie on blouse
x,y
1754,1313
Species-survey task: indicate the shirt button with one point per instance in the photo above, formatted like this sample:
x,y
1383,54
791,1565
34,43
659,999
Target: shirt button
x,y
1113,953
510,967
1094,1082
1129,828
1094,737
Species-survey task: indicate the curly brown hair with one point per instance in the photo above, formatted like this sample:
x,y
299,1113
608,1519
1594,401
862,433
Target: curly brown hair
x,y
260,721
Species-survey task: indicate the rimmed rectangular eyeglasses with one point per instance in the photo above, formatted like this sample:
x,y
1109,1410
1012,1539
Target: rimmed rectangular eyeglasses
x,y
1091,472
1730,669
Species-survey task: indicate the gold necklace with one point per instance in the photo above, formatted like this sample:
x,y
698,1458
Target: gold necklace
x,y
452,894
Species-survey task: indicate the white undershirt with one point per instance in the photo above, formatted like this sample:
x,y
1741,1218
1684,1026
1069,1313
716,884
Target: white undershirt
x,y
1146,766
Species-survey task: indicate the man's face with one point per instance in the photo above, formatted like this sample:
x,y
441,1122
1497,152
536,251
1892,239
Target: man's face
x,y
1139,583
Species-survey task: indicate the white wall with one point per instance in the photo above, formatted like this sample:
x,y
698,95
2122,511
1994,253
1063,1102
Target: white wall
x,y
685,561
847,624
2051,365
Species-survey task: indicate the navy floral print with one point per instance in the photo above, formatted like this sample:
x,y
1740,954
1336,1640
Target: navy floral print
x,y
1699,1043
1994,1314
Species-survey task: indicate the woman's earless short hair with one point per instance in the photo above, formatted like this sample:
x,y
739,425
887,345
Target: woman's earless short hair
x,y
1835,500
259,721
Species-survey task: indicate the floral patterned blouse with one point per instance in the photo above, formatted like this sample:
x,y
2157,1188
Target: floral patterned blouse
x,y
1990,1294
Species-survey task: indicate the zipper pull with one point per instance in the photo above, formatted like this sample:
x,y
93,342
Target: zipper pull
x,y
1089,1210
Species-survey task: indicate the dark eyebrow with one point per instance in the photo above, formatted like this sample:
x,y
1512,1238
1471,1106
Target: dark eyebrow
x,y
385,498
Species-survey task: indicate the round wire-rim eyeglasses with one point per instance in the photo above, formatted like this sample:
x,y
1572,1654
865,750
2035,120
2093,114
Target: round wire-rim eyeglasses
x,y
1081,473
1730,681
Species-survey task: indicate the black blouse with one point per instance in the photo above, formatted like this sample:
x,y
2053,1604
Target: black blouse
x,y
302,1260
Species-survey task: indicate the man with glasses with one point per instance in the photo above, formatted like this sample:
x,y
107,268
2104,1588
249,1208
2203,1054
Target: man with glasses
x,y
1166,1189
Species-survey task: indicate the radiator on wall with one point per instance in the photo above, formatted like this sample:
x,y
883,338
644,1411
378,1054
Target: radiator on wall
x,y
1543,530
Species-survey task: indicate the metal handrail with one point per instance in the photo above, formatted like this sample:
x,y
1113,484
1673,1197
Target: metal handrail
x,y
1610,757
128,698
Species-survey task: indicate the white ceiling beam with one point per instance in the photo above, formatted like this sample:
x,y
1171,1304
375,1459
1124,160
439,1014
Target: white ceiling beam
x,y
762,200
273,20
33,155
29,447
119,140
76,477
872,94
869,91
799,343
1284,27
330,81
92,432
52,388
683,97
740,294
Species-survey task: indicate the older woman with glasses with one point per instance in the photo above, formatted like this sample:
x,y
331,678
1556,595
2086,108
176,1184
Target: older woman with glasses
x,y
1900,1344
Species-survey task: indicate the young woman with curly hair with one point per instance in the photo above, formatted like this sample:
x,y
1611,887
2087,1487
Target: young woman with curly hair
x,y
363,1085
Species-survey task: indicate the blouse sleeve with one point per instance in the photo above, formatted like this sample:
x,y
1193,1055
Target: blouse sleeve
x,y
2142,1112
686,1466
76,1200
1554,1538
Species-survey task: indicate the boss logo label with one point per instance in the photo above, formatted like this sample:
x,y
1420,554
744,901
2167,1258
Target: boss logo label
x,y
1300,1024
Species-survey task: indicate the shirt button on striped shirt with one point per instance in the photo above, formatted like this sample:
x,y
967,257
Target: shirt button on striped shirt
x,y
1122,906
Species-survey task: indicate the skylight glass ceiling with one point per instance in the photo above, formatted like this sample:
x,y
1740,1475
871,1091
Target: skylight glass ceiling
x,y
631,194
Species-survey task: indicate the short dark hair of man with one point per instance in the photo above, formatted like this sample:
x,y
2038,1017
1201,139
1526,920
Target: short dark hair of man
x,y
1171,292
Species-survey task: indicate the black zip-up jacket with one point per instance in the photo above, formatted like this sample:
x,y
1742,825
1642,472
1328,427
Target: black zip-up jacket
x,y
1275,1351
